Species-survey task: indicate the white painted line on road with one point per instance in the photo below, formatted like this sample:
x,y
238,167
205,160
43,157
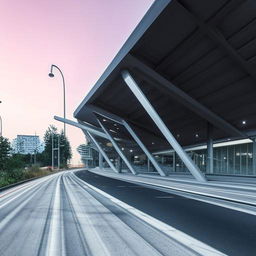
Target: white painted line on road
x,y
14,213
16,195
188,241
213,199
55,243
90,233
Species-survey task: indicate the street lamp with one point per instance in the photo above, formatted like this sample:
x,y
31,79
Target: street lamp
x,y
64,95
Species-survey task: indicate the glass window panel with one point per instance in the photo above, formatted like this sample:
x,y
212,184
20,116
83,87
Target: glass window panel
x,y
249,158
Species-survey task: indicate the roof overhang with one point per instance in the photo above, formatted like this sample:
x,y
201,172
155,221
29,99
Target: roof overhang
x,y
195,62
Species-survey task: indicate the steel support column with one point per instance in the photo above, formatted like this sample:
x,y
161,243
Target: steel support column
x,y
209,165
100,161
118,150
162,127
254,156
174,161
102,152
119,164
143,147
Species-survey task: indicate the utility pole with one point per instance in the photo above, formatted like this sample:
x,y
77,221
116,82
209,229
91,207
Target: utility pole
x,y
58,152
52,154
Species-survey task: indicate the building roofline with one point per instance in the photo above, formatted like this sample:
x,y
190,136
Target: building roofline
x,y
154,11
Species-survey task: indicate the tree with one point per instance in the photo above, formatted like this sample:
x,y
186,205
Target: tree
x,y
52,135
47,154
65,149
5,148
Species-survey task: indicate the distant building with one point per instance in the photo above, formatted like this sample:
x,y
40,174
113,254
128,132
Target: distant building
x,y
27,144
89,155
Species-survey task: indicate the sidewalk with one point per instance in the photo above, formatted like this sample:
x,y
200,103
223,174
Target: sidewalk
x,y
236,196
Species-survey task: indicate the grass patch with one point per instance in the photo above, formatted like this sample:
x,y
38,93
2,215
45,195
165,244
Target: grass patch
x,y
17,175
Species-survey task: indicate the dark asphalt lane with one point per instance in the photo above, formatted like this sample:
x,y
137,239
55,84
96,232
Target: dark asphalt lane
x,y
229,231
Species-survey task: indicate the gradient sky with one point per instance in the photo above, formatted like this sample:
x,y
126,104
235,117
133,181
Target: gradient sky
x,y
80,36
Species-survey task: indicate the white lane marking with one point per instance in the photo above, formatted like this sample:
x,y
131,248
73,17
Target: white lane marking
x,y
211,200
55,243
9,218
4,221
9,196
190,242
117,236
24,190
92,238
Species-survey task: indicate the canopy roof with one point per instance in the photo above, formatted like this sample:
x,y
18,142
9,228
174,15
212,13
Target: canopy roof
x,y
196,63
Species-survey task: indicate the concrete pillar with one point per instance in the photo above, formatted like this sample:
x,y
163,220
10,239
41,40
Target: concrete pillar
x,y
209,166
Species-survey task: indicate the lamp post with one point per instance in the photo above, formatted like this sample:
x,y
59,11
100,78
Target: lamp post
x,y
64,95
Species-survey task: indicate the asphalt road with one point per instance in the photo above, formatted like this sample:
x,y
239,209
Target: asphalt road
x,y
229,231
61,215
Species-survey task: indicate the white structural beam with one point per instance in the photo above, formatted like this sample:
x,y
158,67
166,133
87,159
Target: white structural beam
x,y
104,113
101,151
89,131
85,127
117,119
143,147
118,150
155,79
162,127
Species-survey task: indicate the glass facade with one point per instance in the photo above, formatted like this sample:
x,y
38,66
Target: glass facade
x,y
227,160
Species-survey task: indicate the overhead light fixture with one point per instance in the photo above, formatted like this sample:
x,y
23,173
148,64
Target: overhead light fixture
x,y
152,143
131,150
104,120
243,122
122,148
197,135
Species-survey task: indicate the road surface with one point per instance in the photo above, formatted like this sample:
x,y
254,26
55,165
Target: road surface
x,y
231,232
61,215
58,215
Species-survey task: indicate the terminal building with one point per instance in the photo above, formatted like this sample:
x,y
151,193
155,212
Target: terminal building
x,y
89,155
179,97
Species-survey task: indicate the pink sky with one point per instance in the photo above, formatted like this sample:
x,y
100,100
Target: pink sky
x,y
80,36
